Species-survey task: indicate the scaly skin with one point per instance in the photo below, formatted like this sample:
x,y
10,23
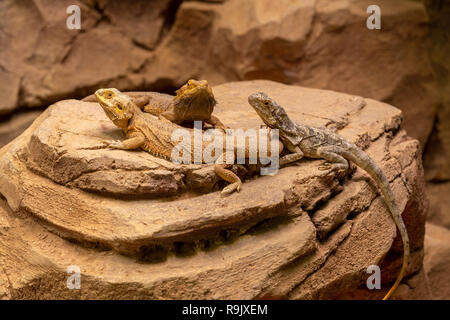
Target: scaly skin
x,y
193,101
302,140
155,135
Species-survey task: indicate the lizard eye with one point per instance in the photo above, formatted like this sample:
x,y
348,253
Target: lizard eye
x,y
119,107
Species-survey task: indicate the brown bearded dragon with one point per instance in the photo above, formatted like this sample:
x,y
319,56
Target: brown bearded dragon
x,y
154,135
304,141
193,101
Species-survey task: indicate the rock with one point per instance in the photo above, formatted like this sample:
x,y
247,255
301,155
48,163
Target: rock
x,y
46,61
142,21
439,204
294,43
437,260
354,198
415,288
291,42
15,125
141,227
438,149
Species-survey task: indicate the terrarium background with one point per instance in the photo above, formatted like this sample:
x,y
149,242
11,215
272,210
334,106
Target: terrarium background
x,y
158,45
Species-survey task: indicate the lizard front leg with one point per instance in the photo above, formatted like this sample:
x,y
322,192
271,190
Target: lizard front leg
x,y
134,142
141,102
216,123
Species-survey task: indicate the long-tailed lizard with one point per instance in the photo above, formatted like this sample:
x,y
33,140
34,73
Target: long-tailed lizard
x,y
305,141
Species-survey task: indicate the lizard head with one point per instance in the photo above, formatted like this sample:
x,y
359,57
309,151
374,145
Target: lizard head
x,y
195,93
117,106
272,114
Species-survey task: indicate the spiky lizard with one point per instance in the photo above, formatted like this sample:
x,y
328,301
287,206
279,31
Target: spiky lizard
x,y
193,101
305,141
154,135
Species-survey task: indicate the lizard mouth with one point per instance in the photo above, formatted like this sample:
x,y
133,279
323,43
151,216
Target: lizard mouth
x,y
100,95
111,115
105,108
104,102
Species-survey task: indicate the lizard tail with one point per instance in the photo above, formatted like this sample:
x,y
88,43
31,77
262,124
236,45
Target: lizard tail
x,y
367,164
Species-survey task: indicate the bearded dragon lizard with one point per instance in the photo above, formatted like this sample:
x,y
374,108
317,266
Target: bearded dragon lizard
x,y
154,135
193,101
304,141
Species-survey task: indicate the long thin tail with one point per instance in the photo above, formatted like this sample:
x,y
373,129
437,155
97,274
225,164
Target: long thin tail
x,y
365,162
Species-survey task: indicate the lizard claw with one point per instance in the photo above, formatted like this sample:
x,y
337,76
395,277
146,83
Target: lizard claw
x,y
231,188
106,143
115,144
325,166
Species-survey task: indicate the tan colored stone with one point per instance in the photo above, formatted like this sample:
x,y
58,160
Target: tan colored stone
x,y
355,198
288,41
417,287
437,166
46,61
142,21
439,204
15,125
437,260
325,44
166,244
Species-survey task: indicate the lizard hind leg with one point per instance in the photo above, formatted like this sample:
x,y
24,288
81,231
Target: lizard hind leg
x,y
334,161
141,102
223,172
325,166
216,123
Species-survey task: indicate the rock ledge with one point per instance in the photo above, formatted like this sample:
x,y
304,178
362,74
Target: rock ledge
x,y
142,227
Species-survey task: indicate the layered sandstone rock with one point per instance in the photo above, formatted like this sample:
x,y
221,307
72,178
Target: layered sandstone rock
x,y
142,227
